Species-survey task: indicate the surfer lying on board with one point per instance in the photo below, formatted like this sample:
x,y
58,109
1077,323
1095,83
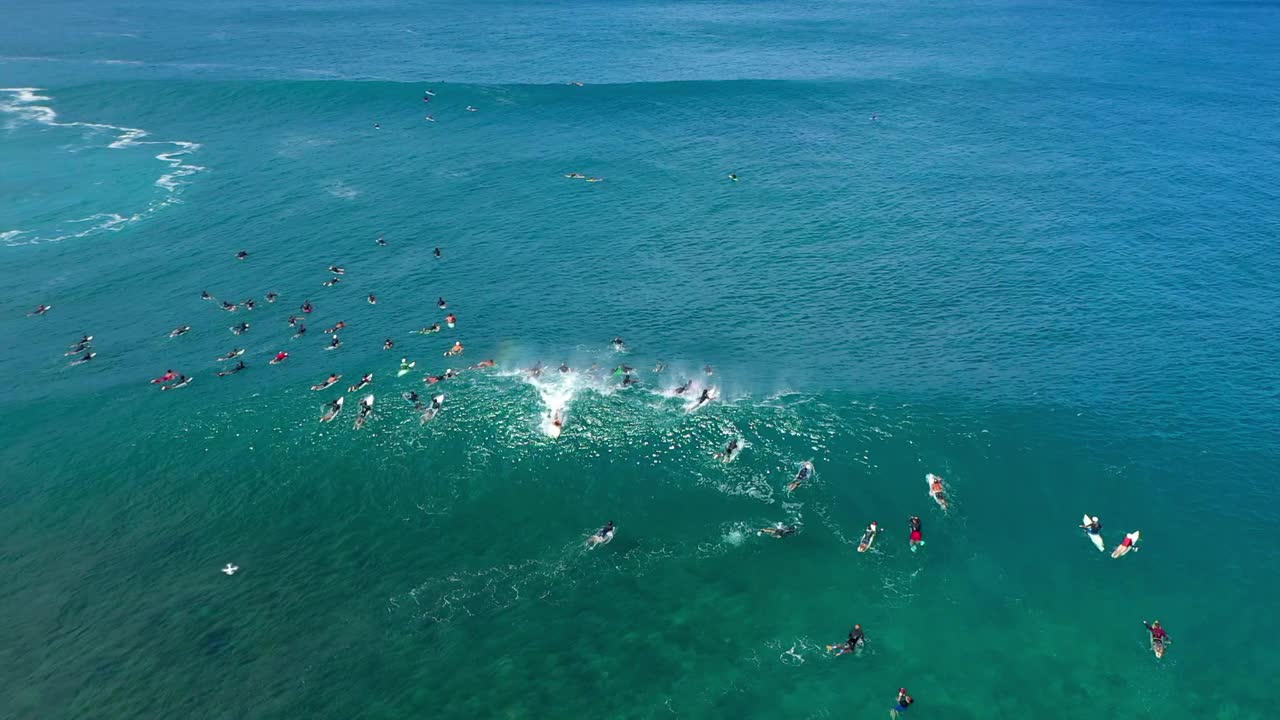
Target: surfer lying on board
x,y
779,530
938,492
1158,635
481,364
239,366
360,385
602,536
166,377
683,388
1130,542
727,455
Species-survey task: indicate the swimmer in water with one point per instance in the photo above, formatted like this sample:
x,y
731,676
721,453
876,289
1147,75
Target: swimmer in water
x,y
708,369
307,306
239,366
904,702
242,255
387,344
779,530
659,367
182,330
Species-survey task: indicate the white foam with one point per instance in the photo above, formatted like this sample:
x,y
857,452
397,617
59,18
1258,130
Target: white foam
x,y
21,106
555,394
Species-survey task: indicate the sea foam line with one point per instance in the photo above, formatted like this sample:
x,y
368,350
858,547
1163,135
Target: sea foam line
x,y
22,105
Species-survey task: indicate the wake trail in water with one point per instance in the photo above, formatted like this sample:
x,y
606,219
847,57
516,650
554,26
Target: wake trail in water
x,y
22,105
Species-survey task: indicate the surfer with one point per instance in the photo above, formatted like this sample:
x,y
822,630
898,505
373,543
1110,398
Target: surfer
x,y
708,369
239,366
618,345
204,295
435,328
340,325
248,304
229,306
1130,542
329,381
1159,638
280,357
1094,527
937,491
373,299
471,108
412,397
903,703
40,310
628,380
307,306
565,369
302,330
705,397
868,537
730,451
436,252
242,255
659,366
455,350
429,119
683,388
481,364
85,358
240,329
805,472
451,319
337,270
183,381
779,530
381,241
360,385
536,370
332,281
733,177
575,176
166,377
84,341
917,533
855,642
366,407
441,304
595,179
272,296
334,344
293,320
182,330
603,535
387,344
332,409
405,365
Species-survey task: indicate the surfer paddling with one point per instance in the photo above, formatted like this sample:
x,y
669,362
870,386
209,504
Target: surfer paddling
x,y
779,530
805,472
1130,542
1159,638
603,536
855,642
937,491
917,533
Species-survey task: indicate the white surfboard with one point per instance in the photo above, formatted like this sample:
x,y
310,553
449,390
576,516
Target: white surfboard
x,y
1121,550
1096,538
366,402
405,371
928,479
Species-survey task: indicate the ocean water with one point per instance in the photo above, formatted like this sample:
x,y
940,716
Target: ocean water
x,y
1030,247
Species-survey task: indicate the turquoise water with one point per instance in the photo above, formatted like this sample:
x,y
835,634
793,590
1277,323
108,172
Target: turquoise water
x,y
1045,270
